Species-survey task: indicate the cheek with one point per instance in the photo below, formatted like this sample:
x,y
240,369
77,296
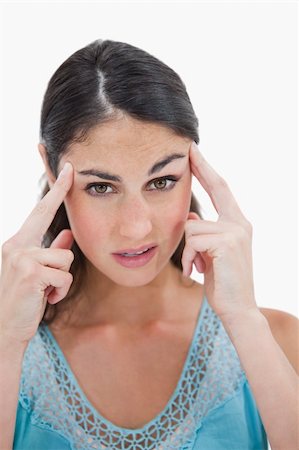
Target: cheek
x,y
86,223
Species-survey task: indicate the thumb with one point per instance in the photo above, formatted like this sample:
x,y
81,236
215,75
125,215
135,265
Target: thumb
x,y
64,240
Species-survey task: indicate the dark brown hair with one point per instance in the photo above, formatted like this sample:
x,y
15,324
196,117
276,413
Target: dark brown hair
x,y
96,84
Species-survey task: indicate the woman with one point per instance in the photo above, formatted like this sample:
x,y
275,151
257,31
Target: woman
x,y
107,341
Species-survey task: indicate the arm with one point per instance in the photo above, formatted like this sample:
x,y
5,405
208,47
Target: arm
x,y
271,376
30,276
11,358
222,250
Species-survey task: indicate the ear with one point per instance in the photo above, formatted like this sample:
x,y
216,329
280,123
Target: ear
x,y
43,152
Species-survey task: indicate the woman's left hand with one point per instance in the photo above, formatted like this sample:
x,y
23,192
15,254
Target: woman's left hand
x,y
221,250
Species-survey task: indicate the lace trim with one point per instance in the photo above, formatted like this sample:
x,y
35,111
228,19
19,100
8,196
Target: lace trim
x,y
212,374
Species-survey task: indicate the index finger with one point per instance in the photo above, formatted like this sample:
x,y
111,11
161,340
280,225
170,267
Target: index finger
x,y
217,188
41,217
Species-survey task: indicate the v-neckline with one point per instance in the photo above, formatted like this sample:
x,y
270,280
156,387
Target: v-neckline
x,y
174,395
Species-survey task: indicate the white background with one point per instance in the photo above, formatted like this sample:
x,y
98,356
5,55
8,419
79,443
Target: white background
x,y
239,63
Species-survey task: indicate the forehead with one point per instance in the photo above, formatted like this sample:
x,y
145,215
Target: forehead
x,y
127,139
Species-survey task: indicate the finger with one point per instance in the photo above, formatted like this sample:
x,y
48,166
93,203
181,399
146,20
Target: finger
x,y
199,263
41,217
191,230
56,258
216,187
58,294
188,256
193,216
194,246
64,239
198,227
59,281
48,292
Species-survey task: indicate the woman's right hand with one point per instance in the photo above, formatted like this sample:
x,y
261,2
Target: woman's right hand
x,y
32,275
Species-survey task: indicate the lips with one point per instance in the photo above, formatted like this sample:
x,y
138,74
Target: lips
x,y
136,261
135,250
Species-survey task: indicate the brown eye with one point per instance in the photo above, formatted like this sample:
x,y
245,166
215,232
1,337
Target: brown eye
x,y
164,184
160,184
100,188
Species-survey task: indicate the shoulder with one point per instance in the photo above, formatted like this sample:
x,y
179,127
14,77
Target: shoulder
x,y
285,329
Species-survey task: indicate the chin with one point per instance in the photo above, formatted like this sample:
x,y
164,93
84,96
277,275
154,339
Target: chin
x,y
138,277
133,278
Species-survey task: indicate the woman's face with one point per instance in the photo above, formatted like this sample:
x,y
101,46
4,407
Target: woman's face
x,y
107,216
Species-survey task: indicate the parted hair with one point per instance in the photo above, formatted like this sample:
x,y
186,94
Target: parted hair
x,y
99,83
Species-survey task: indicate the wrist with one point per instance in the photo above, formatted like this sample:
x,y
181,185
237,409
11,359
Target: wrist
x,y
10,345
238,324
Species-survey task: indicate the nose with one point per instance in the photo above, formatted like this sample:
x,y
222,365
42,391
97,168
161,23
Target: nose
x,y
134,219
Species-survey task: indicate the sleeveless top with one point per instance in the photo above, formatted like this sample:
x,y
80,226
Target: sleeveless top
x,y
211,408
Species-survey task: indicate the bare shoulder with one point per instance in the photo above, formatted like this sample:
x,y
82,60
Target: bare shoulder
x,y
285,329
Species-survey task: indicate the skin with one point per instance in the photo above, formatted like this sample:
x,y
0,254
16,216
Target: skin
x,y
222,250
136,213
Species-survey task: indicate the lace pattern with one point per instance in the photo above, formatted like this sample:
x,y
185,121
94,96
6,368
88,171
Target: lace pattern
x,y
49,391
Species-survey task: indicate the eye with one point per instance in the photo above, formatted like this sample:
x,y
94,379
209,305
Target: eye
x,y
100,189
161,183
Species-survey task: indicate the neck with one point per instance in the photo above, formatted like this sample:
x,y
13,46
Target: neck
x,y
103,302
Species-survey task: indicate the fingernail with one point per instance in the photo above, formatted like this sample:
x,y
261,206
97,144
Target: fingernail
x,y
66,168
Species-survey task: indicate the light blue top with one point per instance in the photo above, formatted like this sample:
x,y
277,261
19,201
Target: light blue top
x,y
211,408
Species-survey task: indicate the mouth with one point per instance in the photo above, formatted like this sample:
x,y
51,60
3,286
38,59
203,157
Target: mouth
x,y
130,252
135,260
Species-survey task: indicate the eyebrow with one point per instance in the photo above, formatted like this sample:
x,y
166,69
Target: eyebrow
x,y
159,165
